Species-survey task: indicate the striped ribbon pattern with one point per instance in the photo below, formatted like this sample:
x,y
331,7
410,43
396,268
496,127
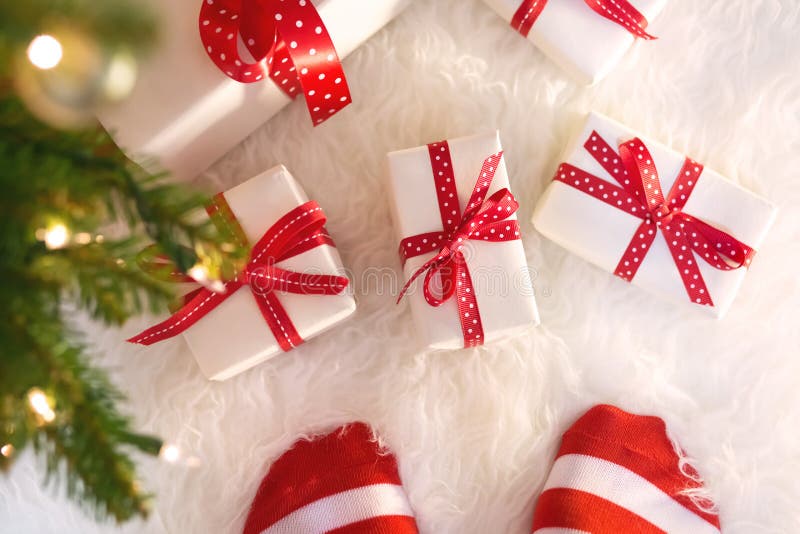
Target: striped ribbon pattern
x,y
618,11
619,472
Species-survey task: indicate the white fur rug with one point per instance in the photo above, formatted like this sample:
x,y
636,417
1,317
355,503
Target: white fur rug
x,y
475,430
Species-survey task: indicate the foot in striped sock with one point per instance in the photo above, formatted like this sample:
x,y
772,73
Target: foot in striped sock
x,y
617,472
341,483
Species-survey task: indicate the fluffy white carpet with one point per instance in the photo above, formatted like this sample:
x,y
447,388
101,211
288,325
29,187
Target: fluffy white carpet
x,y
475,430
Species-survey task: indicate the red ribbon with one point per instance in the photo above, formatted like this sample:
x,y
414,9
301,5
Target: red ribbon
x,y
484,219
296,232
618,11
640,194
289,43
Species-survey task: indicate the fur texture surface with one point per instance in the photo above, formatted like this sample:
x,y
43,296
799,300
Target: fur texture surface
x,y
475,430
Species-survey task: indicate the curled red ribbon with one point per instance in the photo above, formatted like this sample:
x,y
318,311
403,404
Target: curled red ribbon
x,y
619,11
299,230
289,43
483,220
640,194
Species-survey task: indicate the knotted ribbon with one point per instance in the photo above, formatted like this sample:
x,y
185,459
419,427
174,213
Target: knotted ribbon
x,y
289,43
619,11
301,229
640,194
485,219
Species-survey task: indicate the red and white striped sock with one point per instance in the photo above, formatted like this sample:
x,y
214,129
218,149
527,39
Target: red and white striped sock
x,y
618,472
341,483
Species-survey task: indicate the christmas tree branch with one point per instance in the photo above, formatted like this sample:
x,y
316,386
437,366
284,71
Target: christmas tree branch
x,y
74,213
87,434
104,279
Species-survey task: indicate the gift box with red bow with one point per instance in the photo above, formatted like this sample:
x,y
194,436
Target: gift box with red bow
x,y
652,216
292,288
465,271
586,38
215,77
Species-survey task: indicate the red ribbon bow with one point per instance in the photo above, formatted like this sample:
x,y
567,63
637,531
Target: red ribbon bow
x,y
289,43
296,232
484,219
618,11
641,195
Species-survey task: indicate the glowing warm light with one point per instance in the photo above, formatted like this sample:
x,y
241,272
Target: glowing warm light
x,y
56,236
83,238
45,52
40,404
121,77
169,453
200,274
7,450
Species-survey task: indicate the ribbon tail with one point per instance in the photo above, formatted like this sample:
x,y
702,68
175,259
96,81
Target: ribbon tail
x,y
688,269
623,13
431,263
278,320
316,64
447,276
637,250
468,314
203,302
722,244
525,16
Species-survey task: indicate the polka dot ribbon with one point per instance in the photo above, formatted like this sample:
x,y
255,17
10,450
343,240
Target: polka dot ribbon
x,y
619,11
639,193
485,219
299,230
290,45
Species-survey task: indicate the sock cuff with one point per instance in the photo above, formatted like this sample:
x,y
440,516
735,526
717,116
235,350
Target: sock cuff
x,y
346,459
639,444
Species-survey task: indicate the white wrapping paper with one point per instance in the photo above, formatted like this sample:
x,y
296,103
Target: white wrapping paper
x,y
579,40
235,336
184,113
600,233
499,271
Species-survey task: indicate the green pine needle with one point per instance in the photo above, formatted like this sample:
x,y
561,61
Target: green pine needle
x,y
112,209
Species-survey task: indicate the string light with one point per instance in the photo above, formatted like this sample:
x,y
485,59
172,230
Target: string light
x,y
38,401
172,454
200,274
7,450
56,236
45,52
83,238
169,453
121,76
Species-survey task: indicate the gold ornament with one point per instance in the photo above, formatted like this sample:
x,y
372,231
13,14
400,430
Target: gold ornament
x,y
64,76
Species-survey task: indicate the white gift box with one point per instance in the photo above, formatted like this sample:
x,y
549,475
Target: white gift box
x,y
184,113
583,43
601,233
499,271
234,336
